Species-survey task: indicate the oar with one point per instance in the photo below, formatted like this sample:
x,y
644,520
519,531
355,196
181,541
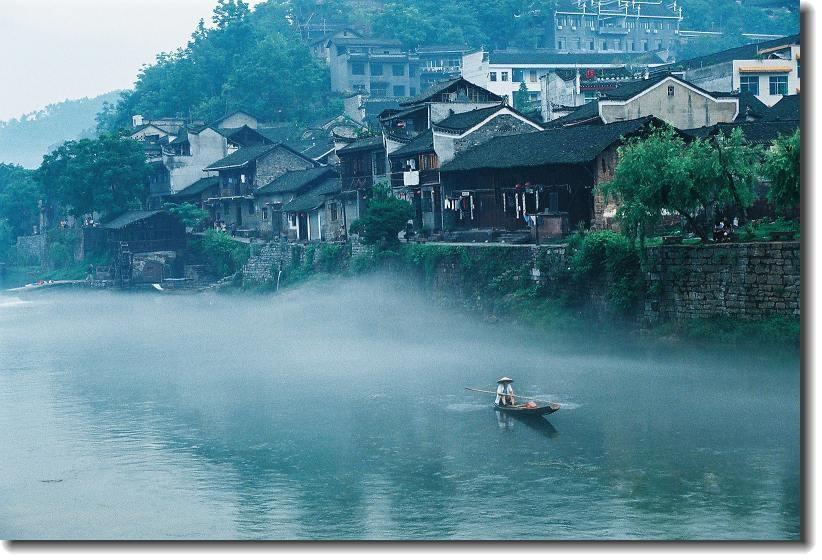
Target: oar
x,y
520,396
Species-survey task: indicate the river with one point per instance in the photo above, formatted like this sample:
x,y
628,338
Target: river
x,y
339,412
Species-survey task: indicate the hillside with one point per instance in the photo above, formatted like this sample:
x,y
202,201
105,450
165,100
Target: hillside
x,y
24,141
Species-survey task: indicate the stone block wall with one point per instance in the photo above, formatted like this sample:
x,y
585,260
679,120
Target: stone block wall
x,y
745,280
32,250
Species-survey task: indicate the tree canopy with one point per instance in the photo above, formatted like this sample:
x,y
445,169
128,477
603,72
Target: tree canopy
x,y
107,175
781,167
20,195
664,173
384,217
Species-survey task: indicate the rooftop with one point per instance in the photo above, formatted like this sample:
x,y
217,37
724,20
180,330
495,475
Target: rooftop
x,y
315,197
294,181
422,143
556,146
448,86
128,218
745,52
553,58
369,143
197,187
242,157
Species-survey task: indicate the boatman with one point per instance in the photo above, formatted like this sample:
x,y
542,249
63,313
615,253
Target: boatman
x,y
505,392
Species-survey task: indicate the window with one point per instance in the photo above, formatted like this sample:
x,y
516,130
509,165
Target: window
x,y
332,209
292,219
504,76
252,207
398,69
412,70
605,45
517,75
399,91
644,45
798,69
532,75
591,46
579,44
492,76
560,44
749,84
778,85
357,69
631,46
265,212
376,69
658,45
630,24
412,91
670,91
617,45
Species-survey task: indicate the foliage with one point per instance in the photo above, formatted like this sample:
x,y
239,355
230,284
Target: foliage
x,y
775,331
108,175
662,173
244,60
384,218
61,247
781,167
191,215
220,252
19,198
611,259
522,99
7,240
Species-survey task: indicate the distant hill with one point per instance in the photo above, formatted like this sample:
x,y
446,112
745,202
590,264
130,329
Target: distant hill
x,y
26,140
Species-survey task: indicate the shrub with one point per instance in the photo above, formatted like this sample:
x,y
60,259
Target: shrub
x,y
223,255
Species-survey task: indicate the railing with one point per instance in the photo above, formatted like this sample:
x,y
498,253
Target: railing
x,y
243,189
415,178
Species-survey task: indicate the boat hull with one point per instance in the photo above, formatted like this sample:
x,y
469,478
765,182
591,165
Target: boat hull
x,y
523,411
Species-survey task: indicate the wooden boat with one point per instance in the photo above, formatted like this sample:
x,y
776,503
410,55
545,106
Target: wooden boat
x,y
523,410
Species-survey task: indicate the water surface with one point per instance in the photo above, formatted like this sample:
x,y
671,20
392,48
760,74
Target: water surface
x,y
339,413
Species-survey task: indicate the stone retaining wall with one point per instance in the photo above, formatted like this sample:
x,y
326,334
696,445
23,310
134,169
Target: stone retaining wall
x,y
746,280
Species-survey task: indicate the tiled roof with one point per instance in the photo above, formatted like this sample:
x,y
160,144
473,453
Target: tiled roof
x,y
441,87
630,89
750,105
464,121
129,218
745,52
787,108
365,41
315,197
556,146
197,187
293,181
755,132
370,143
423,143
242,157
583,113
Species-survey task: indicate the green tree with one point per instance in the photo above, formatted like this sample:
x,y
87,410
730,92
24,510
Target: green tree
x,y
384,218
522,99
20,195
191,215
108,175
781,167
663,173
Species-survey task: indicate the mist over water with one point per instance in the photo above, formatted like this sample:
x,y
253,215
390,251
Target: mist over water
x,y
339,411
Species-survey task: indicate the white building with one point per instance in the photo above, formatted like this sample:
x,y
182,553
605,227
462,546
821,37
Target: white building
x,y
768,70
503,72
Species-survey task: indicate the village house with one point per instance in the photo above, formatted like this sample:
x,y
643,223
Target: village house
x,y
664,96
541,182
439,63
362,165
274,196
241,173
615,26
318,212
769,69
415,166
504,72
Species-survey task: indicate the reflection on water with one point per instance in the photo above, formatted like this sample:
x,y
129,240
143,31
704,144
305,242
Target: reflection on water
x,y
339,413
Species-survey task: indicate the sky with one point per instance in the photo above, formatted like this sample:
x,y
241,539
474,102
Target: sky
x,y
66,49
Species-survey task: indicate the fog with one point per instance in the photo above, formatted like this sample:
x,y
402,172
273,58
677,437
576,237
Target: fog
x,y
338,410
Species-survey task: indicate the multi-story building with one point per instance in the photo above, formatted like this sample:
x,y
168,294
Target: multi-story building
x,y
769,69
379,67
622,26
503,72
440,62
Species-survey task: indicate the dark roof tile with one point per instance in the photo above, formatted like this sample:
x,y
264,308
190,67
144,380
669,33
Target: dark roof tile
x,y
242,157
294,181
423,143
576,144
